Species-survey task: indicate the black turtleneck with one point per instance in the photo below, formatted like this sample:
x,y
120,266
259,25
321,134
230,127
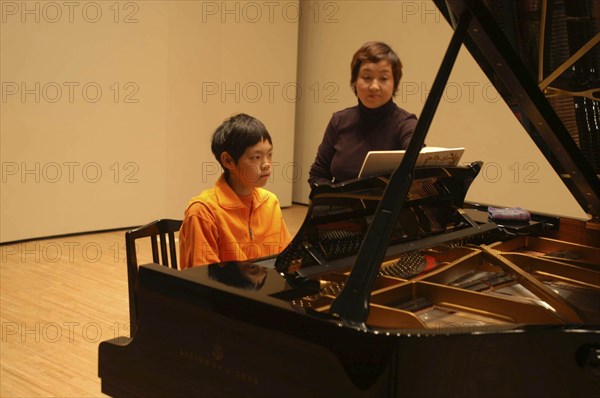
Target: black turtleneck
x,y
375,115
353,132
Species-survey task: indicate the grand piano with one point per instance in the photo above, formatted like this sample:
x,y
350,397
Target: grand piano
x,y
394,286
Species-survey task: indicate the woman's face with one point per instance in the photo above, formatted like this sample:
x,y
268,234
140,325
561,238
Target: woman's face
x,y
375,83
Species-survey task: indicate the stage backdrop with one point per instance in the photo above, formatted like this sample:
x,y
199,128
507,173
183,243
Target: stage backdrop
x,y
108,106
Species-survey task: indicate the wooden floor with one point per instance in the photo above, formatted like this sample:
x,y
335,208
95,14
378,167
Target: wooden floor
x,y
59,298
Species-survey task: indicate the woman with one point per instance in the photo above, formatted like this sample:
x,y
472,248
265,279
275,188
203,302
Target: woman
x,y
375,124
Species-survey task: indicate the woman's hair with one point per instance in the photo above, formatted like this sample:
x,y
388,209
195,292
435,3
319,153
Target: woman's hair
x,y
375,51
236,134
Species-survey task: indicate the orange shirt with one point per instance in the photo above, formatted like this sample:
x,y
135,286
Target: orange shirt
x,y
218,226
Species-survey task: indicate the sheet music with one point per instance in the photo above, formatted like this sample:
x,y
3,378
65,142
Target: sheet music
x,y
385,162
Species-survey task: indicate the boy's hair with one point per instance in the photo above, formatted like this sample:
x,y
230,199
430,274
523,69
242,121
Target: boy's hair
x,y
375,51
236,134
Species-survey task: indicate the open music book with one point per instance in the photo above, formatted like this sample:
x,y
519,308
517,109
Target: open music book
x,y
384,162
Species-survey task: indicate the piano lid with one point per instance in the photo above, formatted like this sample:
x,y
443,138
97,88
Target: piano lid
x,y
498,32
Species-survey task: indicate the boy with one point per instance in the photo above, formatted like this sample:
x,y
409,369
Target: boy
x,y
237,219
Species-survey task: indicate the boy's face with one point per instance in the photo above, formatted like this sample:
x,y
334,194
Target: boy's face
x,y
253,168
252,272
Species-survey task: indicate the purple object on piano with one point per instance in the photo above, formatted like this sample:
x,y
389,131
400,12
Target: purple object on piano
x,y
508,214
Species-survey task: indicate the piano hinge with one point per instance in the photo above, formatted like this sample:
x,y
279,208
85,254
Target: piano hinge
x,y
593,224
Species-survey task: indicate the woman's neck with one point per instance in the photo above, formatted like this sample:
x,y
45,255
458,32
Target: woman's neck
x,y
371,115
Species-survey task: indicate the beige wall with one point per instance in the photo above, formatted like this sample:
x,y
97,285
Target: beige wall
x,y
107,107
470,115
